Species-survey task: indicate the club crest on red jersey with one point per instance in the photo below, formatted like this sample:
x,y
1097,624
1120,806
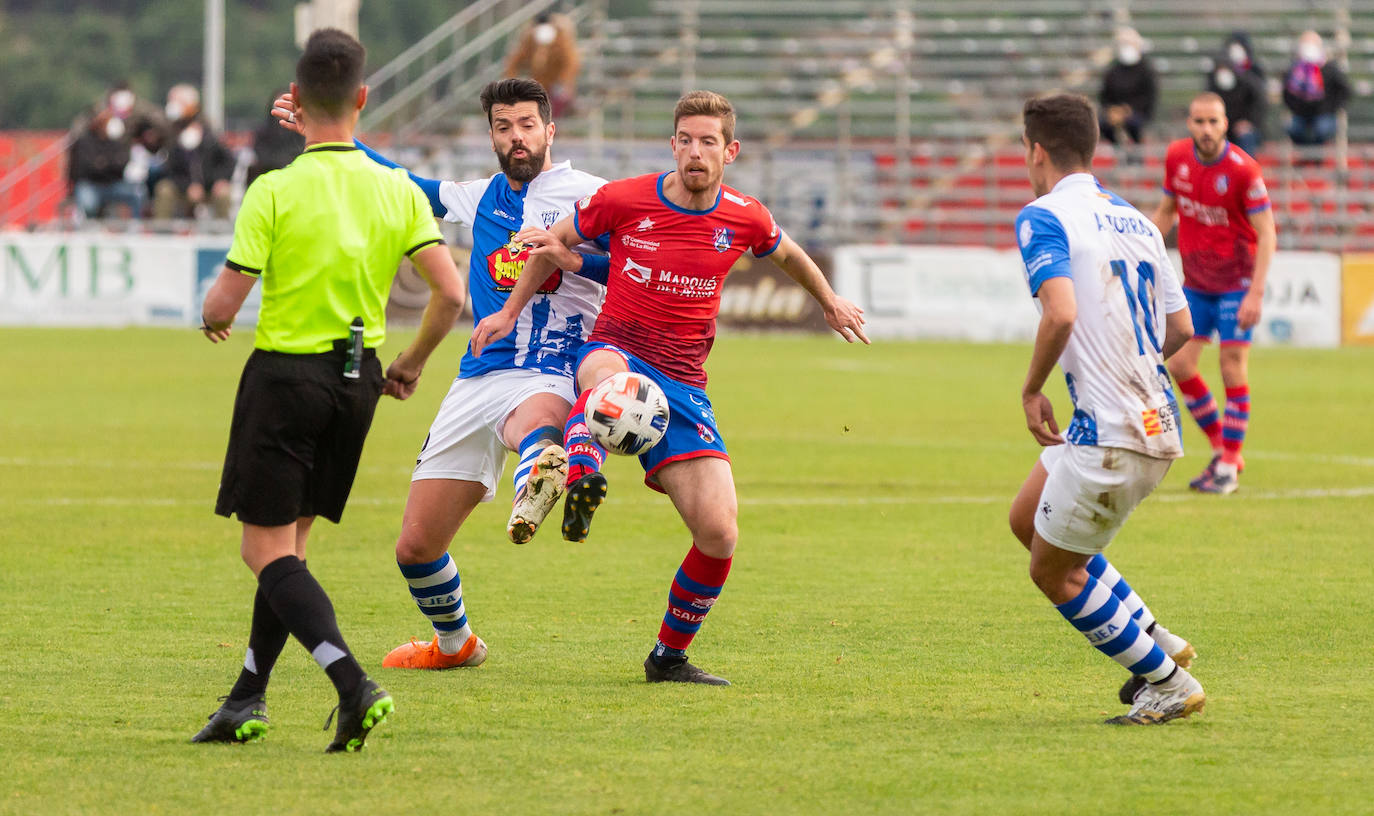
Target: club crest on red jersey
x,y
1222,185
508,261
723,238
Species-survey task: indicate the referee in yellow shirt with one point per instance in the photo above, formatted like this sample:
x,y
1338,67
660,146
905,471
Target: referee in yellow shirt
x,y
326,235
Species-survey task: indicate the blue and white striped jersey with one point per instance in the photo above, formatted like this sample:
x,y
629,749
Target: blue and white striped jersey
x,y
556,322
1124,285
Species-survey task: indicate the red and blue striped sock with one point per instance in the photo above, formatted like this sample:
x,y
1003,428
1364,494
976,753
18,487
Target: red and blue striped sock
x,y
1236,423
584,455
694,591
1203,406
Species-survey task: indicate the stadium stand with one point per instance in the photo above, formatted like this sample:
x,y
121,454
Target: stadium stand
x,y
889,120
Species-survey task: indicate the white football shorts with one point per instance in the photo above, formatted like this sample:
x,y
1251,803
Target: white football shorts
x,y
464,441
1090,492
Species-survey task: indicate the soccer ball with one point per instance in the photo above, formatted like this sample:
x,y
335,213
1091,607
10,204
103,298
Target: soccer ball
x,y
627,413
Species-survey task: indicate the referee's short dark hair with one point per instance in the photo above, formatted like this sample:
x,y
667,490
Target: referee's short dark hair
x,y
330,72
1065,125
518,89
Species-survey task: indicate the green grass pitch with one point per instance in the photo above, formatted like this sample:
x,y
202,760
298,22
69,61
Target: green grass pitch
x,y
888,651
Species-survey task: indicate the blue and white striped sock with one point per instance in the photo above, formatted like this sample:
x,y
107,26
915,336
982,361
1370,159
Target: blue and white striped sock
x,y
1108,626
439,594
530,447
1102,569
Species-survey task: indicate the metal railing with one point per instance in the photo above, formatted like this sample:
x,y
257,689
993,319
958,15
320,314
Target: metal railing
x,y
428,80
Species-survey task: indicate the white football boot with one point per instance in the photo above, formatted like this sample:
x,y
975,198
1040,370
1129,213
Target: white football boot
x,y
1178,697
539,494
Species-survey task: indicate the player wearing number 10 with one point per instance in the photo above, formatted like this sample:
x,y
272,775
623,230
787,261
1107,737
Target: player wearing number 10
x,y
1112,312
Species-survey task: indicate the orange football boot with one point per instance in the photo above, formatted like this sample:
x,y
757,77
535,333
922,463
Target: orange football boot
x,y
417,655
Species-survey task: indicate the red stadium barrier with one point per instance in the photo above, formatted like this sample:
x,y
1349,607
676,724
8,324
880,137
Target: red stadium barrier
x,y
41,188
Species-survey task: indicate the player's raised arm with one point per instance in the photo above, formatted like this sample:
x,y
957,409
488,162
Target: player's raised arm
x,y
1059,310
842,315
537,269
284,109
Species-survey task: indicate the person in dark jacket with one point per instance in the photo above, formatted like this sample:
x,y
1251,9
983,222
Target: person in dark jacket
x,y
199,166
95,169
1314,91
274,146
1238,78
1130,90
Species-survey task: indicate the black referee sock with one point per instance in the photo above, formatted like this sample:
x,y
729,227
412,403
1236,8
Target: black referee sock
x,y
302,605
266,638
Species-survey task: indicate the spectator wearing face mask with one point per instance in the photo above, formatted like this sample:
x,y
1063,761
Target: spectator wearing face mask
x,y
1239,80
1130,90
96,165
1315,90
198,168
546,52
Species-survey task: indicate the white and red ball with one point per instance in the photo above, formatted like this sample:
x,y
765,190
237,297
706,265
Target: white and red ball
x,y
627,413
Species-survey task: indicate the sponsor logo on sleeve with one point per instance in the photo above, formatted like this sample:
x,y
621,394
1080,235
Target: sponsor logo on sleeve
x,y
1027,232
582,205
1257,191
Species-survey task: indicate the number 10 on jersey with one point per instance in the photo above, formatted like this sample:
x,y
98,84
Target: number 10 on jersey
x,y
1139,297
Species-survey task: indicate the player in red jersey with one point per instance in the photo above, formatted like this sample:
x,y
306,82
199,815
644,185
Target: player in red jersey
x,y
1226,237
673,238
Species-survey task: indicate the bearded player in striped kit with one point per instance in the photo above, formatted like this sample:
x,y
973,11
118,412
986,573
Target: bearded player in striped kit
x,y
1112,311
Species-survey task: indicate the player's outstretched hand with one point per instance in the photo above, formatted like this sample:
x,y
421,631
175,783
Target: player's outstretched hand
x,y
1040,419
847,319
542,242
1248,315
401,378
284,108
490,329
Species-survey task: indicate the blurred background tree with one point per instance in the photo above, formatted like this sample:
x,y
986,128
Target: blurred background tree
x,y
58,57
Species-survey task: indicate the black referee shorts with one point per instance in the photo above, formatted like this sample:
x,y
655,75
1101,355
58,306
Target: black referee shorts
x,y
296,436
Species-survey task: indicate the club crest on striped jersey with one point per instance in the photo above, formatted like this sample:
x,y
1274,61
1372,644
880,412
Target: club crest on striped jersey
x,y
507,263
722,238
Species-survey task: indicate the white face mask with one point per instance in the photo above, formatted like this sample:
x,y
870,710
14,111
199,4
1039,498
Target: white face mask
x,y
190,137
174,110
1237,54
1128,55
122,101
1226,79
1311,52
114,129
545,33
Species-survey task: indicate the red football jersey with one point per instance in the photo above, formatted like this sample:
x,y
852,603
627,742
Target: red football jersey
x,y
668,265
1215,236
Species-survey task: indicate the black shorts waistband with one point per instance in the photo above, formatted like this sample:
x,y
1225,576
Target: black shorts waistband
x,y
338,354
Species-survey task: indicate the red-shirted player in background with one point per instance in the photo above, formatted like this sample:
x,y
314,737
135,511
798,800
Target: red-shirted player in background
x,y
1226,237
673,238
